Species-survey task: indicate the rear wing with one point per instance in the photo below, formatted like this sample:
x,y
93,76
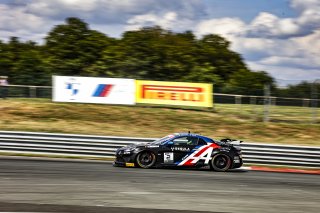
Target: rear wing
x,y
231,141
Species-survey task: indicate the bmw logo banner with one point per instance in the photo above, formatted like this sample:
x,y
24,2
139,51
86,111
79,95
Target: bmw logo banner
x,y
93,90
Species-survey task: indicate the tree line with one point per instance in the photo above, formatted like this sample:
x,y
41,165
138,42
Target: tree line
x,y
151,53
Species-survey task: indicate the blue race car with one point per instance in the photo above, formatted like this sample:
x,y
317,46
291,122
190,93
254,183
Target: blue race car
x,y
182,150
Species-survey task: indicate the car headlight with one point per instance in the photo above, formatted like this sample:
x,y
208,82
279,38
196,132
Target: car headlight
x,y
128,151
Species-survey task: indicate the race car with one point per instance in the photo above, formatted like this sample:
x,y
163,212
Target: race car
x,y
182,150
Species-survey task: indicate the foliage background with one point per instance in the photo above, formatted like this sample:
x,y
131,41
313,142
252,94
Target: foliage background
x,y
73,49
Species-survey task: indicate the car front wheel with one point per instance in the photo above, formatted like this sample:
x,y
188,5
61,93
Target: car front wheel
x,y
146,159
220,162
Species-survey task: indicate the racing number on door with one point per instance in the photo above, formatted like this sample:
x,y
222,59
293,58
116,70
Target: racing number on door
x,y
168,157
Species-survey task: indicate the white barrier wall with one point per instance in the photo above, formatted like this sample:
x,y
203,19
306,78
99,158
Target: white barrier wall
x,y
105,146
93,90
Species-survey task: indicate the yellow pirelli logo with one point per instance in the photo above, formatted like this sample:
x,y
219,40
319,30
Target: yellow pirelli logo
x,y
129,164
174,93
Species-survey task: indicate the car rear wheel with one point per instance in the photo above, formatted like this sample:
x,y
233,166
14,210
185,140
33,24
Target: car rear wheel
x,y
146,159
220,162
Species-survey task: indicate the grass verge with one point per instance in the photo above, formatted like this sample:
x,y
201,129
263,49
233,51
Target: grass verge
x,y
225,120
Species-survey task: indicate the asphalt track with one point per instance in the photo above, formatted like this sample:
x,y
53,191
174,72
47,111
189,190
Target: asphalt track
x,y
59,186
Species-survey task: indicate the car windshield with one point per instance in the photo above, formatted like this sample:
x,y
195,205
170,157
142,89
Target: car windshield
x,y
161,140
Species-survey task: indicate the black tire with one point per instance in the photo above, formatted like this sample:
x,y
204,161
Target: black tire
x,y
146,159
220,162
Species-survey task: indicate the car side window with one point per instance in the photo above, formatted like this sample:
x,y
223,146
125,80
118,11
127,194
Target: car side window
x,y
186,140
201,142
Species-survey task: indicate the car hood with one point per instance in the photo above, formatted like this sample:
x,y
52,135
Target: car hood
x,y
138,145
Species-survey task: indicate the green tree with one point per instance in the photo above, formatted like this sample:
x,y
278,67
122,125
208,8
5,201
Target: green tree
x,y
215,50
149,53
248,83
6,61
301,90
205,73
73,48
31,69
23,62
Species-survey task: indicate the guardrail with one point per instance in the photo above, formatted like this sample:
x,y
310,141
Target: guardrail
x,y
105,146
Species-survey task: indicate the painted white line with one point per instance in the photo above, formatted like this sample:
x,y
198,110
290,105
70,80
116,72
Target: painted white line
x,y
138,193
246,168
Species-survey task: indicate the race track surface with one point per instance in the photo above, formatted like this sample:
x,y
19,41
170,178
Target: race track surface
x,y
58,186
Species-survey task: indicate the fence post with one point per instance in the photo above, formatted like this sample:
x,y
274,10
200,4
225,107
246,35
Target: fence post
x,y
32,91
314,101
305,102
266,103
253,100
253,105
238,99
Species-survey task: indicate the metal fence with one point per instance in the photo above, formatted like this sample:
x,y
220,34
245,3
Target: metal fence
x,y
258,108
69,145
26,91
270,109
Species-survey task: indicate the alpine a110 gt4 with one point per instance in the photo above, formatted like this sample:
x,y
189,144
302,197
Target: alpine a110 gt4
x,y
182,150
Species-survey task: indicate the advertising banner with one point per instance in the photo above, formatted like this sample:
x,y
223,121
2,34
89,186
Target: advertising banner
x,y
93,90
174,93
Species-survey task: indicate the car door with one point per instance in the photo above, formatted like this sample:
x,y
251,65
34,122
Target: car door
x,y
178,148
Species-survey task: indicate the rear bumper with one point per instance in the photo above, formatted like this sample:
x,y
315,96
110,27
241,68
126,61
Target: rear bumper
x,y
237,164
237,161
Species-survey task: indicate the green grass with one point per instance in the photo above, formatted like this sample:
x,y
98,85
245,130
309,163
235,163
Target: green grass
x,y
289,125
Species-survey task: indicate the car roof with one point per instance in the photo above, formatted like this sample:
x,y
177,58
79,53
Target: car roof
x,y
181,134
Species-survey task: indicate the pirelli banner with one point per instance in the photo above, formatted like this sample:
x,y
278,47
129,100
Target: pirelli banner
x,y
174,93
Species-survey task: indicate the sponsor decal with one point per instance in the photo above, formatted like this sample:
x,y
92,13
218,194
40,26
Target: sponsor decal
x,y
168,157
177,148
184,157
153,146
174,93
102,90
236,159
93,90
72,87
129,164
202,153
